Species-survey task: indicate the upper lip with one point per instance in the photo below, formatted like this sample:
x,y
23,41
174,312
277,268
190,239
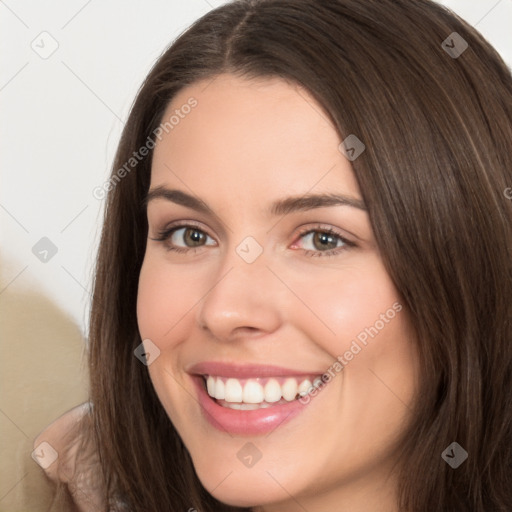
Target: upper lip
x,y
245,371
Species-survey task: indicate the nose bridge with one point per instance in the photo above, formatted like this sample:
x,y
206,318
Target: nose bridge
x,y
242,294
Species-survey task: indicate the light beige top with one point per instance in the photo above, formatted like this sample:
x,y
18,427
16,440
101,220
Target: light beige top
x,y
60,451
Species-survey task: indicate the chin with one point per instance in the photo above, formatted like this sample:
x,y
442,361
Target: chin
x,y
246,487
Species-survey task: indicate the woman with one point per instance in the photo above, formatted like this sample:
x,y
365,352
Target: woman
x,y
232,371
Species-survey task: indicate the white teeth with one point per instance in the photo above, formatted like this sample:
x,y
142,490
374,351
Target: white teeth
x,y
290,389
220,390
210,385
243,407
251,393
233,391
304,387
272,391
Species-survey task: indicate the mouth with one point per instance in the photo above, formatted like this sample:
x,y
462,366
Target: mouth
x,y
259,392
252,400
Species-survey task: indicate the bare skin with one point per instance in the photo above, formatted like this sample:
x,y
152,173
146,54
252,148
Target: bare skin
x,y
245,145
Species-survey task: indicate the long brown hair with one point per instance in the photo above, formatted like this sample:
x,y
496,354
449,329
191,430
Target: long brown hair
x,y
437,127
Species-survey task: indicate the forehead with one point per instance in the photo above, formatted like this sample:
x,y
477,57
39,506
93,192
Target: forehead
x,y
249,137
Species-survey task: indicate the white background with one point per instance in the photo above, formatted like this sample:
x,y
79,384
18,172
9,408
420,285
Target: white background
x,y
61,119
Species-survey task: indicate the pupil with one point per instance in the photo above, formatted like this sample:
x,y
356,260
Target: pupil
x,y
324,238
196,235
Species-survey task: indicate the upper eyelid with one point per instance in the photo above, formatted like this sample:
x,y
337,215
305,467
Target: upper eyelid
x,y
330,231
220,226
302,232
183,224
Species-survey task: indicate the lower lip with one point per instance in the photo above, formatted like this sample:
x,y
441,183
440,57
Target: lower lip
x,y
253,422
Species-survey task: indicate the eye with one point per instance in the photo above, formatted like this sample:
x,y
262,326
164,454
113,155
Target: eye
x,y
190,235
324,242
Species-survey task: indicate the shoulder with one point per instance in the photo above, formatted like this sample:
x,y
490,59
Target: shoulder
x,y
65,451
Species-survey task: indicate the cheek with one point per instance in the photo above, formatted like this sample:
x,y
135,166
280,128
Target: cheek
x,y
347,304
165,295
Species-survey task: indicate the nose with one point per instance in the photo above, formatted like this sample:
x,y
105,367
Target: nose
x,y
245,299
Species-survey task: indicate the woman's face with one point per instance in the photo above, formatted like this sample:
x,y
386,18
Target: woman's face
x,y
268,277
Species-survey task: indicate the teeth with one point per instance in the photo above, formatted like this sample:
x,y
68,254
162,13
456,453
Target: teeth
x,y
243,406
272,391
251,394
233,391
304,387
210,385
290,389
220,390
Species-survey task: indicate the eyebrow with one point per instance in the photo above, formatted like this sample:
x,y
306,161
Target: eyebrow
x,y
279,207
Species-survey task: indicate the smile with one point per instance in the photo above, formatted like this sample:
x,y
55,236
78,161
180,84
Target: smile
x,y
251,399
256,393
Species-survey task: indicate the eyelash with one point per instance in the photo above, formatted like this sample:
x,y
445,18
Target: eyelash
x,y
165,234
329,232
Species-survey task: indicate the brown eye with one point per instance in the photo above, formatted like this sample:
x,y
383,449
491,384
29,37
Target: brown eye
x,y
323,242
184,237
192,236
